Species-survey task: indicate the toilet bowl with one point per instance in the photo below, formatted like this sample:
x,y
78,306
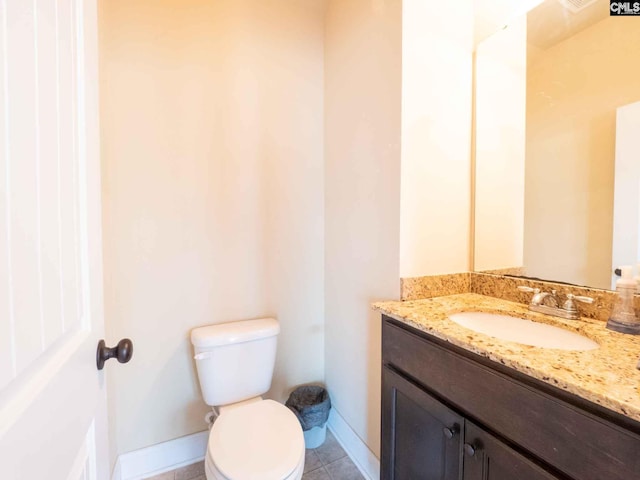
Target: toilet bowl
x,y
252,438
261,440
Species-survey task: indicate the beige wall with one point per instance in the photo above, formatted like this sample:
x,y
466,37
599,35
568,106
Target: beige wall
x,y
573,91
436,137
362,199
500,112
212,135
216,197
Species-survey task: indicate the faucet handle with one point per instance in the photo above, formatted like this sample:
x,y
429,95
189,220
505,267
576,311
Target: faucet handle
x,y
579,298
570,305
522,288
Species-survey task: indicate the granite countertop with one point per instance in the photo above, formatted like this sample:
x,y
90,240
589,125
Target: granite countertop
x,y
607,375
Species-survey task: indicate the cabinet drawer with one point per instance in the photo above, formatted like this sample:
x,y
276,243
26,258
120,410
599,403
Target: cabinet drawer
x,y
575,442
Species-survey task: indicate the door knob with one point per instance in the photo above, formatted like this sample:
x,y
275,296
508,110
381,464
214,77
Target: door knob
x,y
123,352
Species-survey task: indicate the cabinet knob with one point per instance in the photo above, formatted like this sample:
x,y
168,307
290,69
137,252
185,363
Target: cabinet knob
x,y
469,449
449,432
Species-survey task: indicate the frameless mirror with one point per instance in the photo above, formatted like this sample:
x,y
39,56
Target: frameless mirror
x,y
557,144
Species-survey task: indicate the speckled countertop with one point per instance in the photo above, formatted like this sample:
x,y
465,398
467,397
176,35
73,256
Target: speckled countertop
x,y
607,376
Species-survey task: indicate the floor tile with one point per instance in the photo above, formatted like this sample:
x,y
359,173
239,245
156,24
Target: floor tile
x,y
190,471
164,476
344,469
330,450
317,474
311,461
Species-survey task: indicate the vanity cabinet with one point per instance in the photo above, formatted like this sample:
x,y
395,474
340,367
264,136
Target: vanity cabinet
x,y
425,439
423,436
450,414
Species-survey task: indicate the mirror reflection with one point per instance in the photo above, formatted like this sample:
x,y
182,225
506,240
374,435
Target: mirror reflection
x,y
557,154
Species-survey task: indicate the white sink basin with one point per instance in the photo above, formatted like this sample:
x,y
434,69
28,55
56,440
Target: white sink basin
x,y
523,331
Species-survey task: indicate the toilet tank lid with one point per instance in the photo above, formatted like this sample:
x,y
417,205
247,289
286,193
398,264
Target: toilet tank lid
x,y
234,332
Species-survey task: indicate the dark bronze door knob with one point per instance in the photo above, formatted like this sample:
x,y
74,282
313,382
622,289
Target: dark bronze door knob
x,y
123,352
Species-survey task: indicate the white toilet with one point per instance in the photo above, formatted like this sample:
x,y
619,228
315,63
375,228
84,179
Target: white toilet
x,y
252,438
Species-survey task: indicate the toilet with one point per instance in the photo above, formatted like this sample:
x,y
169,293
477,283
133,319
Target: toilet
x,y
251,438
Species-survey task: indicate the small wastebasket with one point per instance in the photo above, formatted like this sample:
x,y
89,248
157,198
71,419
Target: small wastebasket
x,y
311,404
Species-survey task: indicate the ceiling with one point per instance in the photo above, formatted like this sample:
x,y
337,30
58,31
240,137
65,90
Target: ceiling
x,y
548,21
493,15
551,22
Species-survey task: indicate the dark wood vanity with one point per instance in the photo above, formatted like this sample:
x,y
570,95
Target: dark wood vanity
x,y
449,414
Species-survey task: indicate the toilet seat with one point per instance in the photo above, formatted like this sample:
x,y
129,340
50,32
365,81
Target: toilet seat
x,y
213,474
258,441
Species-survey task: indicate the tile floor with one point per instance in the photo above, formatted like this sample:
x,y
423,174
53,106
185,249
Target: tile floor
x,y
327,462
190,472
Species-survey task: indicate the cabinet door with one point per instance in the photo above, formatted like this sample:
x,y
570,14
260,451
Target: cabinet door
x,y
487,458
420,435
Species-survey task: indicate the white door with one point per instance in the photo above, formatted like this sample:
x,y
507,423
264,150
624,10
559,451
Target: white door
x,y
52,398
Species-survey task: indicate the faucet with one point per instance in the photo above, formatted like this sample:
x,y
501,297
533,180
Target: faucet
x,y
543,298
549,304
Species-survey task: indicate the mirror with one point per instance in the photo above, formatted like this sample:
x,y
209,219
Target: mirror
x,y
557,144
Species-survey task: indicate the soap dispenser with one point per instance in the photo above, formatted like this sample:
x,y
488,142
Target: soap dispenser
x,y
623,316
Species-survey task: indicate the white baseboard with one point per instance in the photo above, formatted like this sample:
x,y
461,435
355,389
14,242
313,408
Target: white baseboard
x,y
364,459
161,458
183,451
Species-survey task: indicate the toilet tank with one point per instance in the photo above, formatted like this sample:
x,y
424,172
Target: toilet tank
x,y
235,360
